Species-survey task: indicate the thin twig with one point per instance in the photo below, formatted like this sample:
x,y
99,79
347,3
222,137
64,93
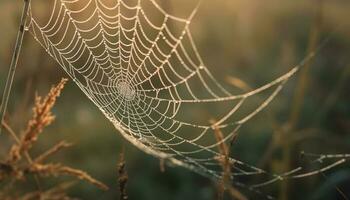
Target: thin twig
x,y
26,154
13,65
123,177
226,165
52,151
299,97
56,169
11,132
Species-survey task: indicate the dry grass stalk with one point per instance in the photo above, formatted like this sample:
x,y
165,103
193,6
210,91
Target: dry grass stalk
x,y
15,169
82,176
14,61
123,177
59,146
58,170
226,165
42,116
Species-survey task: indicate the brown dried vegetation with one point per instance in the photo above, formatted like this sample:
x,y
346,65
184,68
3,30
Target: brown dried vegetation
x,y
123,177
226,165
18,166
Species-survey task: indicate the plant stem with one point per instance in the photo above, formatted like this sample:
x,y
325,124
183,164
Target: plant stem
x,y
14,61
298,100
26,154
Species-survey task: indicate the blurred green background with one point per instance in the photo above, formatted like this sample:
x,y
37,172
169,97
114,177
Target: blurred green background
x,y
252,40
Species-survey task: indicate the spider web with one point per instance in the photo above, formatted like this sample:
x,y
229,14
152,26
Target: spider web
x,y
144,74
